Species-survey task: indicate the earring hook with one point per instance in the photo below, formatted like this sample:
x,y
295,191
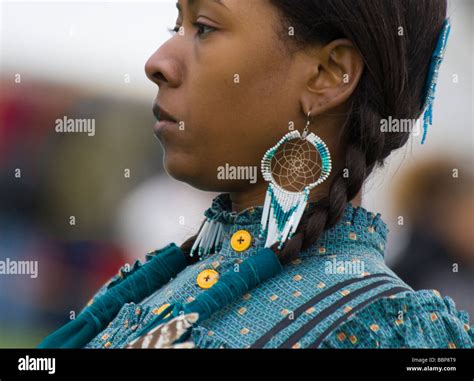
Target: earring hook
x,y
306,128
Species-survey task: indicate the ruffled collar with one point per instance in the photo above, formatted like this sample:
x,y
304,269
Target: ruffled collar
x,y
221,211
356,224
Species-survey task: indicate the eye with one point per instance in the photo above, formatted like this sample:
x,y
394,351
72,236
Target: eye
x,y
203,29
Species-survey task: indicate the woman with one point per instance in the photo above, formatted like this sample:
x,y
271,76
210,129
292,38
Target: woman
x,y
293,263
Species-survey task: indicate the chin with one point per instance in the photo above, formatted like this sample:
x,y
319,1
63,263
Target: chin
x,y
186,170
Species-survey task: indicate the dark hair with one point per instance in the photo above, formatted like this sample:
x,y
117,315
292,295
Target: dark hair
x,y
396,39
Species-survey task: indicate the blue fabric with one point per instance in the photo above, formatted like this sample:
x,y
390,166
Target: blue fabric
x,y
233,284
160,269
359,238
423,319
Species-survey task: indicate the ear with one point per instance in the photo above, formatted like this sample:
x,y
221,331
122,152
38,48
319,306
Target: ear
x,y
337,69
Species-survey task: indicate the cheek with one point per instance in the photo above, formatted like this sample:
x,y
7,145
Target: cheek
x,y
239,104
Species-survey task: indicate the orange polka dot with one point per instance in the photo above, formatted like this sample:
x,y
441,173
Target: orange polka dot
x,y
399,322
341,336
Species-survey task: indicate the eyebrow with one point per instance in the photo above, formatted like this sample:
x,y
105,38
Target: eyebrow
x,y
192,3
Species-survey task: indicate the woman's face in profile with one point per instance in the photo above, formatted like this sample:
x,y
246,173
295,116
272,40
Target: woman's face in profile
x,y
229,82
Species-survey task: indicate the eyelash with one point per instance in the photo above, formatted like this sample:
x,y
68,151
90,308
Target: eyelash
x,y
197,25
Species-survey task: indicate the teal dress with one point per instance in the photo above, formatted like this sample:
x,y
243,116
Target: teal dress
x,y
338,294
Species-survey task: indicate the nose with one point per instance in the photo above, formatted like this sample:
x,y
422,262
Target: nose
x,y
163,69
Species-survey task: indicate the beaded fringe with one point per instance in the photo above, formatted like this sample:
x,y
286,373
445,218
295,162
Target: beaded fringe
x,y
282,213
209,238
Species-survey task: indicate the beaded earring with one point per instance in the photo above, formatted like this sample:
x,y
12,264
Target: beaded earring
x,y
283,209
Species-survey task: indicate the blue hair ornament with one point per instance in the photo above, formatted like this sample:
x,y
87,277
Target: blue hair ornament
x,y
431,83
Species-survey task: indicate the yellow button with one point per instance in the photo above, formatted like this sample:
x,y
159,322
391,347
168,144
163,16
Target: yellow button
x,y
241,240
207,278
159,310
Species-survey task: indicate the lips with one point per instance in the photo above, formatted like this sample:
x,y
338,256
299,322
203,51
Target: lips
x,y
162,115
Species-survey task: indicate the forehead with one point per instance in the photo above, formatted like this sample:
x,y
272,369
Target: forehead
x,y
235,8
254,22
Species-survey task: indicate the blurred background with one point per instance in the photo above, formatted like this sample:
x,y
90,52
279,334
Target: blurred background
x,y
82,206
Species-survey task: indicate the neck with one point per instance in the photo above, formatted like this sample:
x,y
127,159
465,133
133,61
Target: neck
x,y
250,197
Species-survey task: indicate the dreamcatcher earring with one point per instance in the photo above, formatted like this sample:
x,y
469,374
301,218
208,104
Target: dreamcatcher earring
x,y
292,168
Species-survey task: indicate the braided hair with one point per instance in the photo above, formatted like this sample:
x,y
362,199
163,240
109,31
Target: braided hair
x,y
396,39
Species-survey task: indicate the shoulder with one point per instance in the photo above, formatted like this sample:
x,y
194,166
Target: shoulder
x,y
421,319
301,305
